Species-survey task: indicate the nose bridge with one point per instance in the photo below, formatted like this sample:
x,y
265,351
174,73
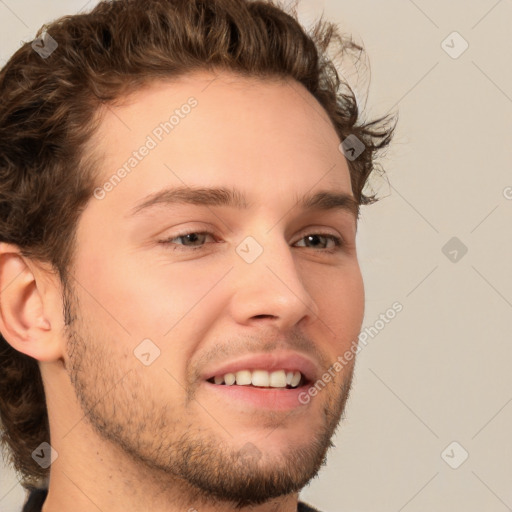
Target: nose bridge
x,y
268,279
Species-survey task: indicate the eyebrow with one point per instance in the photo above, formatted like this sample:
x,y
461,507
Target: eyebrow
x,y
323,200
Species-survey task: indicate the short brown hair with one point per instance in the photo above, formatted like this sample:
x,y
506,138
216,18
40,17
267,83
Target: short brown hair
x,y
49,112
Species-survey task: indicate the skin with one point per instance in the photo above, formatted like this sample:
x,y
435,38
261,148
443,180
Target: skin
x,y
132,437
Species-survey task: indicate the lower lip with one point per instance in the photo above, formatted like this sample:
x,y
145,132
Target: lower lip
x,y
275,399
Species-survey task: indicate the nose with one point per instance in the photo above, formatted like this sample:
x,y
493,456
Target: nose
x,y
271,288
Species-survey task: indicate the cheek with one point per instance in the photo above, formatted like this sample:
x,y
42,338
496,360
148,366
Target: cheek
x,y
342,304
171,297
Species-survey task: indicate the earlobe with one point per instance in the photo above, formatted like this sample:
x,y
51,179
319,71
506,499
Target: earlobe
x,y
24,321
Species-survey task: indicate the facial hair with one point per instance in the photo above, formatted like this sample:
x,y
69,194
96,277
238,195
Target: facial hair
x,y
119,404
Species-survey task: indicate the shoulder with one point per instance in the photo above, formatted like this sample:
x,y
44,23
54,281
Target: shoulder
x,y
35,500
303,507
37,496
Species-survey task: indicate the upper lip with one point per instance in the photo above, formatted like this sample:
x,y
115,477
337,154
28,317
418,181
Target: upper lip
x,y
289,361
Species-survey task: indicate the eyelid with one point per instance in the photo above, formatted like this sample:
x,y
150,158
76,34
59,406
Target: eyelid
x,y
314,229
339,240
317,230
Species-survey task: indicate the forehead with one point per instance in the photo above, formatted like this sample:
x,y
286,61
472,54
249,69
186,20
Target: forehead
x,y
236,100
207,128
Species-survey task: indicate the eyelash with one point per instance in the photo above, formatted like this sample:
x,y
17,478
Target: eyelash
x,y
338,241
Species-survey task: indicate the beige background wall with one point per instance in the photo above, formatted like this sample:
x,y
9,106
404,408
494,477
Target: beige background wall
x,y
440,371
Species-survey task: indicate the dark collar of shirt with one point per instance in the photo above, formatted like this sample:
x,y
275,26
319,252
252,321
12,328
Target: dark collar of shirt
x,y
37,497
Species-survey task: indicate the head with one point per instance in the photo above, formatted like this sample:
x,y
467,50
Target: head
x,y
225,94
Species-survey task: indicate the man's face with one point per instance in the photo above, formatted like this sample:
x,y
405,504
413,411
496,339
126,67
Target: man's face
x,y
260,291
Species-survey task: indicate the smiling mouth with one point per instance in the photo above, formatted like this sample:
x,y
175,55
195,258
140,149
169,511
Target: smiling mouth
x,y
262,379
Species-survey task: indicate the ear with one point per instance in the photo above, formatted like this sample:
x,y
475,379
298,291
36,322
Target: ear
x,y
31,318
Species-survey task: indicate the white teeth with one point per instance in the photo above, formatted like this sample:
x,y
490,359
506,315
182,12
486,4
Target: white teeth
x,y
296,379
229,379
260,378
278,379
243,377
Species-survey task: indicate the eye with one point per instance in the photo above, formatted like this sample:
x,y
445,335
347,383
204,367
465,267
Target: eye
x,y
337,241
190,236
197,238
